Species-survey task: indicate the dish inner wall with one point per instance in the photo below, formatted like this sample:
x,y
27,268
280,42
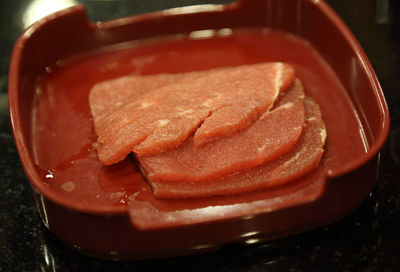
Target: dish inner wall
x,y
62,130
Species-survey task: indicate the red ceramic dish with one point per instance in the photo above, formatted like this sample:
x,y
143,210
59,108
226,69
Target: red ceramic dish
x,y
110,212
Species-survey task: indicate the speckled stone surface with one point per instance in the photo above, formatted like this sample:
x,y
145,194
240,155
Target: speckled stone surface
x,y
367,240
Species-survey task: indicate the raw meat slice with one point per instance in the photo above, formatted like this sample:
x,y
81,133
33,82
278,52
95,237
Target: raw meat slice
x,y
272,135
130,124
226,120
298,162
119,145
106,96
212,91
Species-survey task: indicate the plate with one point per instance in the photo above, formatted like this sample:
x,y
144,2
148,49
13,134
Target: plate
x,y
110,212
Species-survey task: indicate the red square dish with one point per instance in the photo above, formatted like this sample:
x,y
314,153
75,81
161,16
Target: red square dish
x,y
110,212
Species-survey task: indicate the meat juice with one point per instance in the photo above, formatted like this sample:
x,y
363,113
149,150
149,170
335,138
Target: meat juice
x,y
62,130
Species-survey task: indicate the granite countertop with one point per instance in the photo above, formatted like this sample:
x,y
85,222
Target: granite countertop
x,y
367,240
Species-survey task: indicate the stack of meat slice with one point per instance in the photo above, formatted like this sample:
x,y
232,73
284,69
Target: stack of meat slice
x,y
222,131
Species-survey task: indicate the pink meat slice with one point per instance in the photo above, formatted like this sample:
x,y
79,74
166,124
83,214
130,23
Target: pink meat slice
x,y
106,96
163,118
211,90
298,162
272,135
227,120
255,88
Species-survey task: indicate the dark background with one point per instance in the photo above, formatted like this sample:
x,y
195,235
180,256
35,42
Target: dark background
x,y
367,240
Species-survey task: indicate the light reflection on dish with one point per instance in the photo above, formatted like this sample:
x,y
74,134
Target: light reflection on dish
x,y
38,9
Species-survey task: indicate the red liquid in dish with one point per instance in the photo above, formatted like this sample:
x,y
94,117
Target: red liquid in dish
x,y
62,131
